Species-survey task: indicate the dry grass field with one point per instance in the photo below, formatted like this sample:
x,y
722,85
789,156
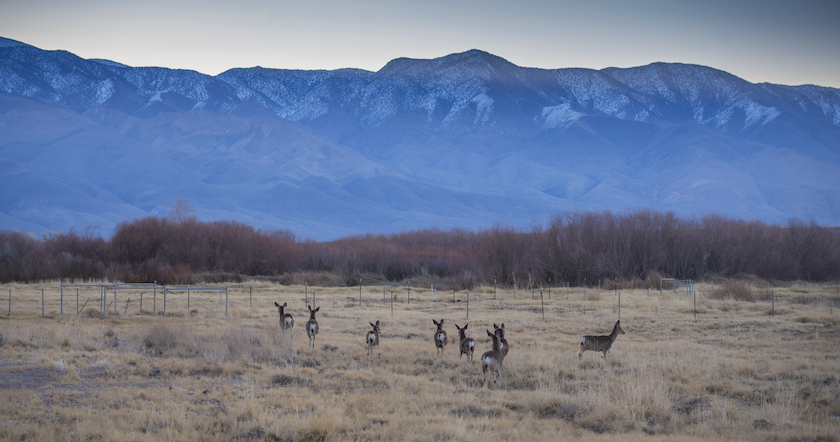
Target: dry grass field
x,y
733,373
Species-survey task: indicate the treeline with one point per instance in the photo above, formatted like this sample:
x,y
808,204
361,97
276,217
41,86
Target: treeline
x,y
577,248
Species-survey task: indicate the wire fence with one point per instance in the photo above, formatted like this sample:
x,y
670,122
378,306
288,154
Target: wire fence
x,y
109,299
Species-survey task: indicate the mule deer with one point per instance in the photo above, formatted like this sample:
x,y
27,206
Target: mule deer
x,y
286,319
372,339
312,326
467,344
440,337
492,360
600,343
503,344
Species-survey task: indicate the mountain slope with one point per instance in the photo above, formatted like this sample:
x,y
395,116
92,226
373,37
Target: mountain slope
x,y
466,140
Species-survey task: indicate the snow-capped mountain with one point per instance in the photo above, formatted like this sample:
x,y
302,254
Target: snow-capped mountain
x,y
466,140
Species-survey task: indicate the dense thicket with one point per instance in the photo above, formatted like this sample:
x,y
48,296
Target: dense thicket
x,y
572,248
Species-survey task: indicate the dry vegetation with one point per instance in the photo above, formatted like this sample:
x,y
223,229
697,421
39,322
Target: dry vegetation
x,y
574,248
734,373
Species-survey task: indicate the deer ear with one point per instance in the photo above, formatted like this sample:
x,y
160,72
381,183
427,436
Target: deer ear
x,y
285,304
377,323
276,304
319,308
465,327
490,334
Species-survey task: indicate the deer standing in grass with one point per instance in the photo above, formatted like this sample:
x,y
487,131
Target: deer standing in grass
x,y
286,319
503,344
372,339
467,344
492,360
312,326
440,337
600,343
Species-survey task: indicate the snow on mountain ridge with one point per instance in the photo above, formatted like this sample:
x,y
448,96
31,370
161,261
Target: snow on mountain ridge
x,y
561,115
463,140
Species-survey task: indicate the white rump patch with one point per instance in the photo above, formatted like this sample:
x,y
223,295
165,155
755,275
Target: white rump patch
x,y
582,340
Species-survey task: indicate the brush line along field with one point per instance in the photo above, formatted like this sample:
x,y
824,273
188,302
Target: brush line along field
x,y
736,372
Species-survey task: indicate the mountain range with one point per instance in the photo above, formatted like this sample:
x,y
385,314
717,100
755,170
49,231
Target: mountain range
x,y
467,140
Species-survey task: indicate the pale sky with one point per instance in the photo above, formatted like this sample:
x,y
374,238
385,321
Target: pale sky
x,y
777,41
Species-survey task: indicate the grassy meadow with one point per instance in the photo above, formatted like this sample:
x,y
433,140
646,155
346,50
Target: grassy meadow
x,y
734,373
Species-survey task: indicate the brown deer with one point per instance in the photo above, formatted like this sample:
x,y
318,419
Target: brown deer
x,y
440,337
503,344
600,343
312,326
286,319
492,360
372,339
467,344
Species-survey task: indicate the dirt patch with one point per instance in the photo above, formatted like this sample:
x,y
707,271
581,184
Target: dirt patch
x,y
32,379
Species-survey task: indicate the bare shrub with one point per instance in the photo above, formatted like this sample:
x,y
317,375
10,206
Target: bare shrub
x,y
617,248
160,338
739,291
592,295
320,279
